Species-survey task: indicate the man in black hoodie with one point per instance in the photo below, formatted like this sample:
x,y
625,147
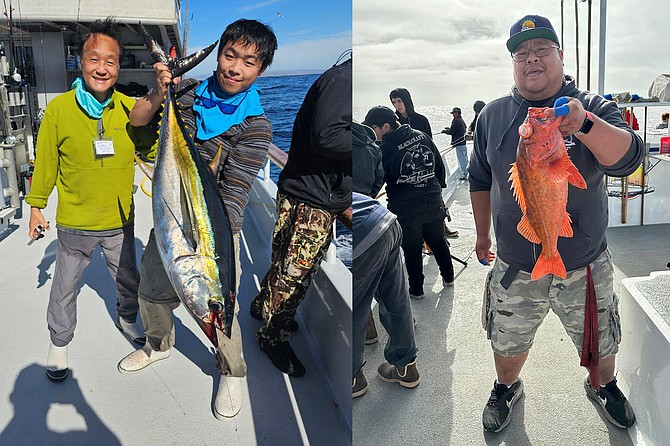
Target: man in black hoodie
x,y
313,188
599,143
402,101
415,175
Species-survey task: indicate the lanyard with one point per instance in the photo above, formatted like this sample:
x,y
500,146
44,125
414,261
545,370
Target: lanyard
x,y
101,129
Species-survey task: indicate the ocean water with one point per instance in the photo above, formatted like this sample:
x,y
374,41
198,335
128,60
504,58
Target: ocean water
x,y
281,98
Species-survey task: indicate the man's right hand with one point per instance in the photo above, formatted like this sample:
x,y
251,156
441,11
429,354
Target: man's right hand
x,y
163,78
36,219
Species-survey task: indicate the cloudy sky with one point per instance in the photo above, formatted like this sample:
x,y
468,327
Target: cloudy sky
x,y
452,52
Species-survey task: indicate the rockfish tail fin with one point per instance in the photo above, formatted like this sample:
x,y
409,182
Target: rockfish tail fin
x,y
548,265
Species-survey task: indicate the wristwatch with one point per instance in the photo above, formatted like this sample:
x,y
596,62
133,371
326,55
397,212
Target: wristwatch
x,y
586,125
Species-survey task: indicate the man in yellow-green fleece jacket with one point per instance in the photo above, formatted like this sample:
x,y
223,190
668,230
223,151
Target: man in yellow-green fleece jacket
x,y
85,148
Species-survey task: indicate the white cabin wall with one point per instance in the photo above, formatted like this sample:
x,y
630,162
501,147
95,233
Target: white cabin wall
x,y
50,74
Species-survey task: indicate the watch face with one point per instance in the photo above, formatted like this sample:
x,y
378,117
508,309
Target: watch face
x,y
586,126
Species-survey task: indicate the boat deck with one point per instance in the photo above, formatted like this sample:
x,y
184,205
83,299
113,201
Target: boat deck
x,y
456,365
170,402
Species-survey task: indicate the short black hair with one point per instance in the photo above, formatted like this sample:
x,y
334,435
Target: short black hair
x,y
108,27
251,32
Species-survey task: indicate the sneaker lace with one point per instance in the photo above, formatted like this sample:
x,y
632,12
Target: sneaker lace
x,y
496,395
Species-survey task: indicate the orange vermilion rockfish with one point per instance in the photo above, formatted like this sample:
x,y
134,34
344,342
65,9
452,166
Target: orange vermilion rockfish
x,y
540,180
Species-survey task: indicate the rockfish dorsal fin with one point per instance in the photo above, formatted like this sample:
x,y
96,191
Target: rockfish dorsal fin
x,y
516,187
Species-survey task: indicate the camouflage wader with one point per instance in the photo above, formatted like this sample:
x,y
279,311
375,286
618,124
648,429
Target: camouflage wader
x,y
300,240
512,316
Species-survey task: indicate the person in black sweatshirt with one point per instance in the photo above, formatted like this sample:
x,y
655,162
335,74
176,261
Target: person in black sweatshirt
x,y
415,175
402,101
313,188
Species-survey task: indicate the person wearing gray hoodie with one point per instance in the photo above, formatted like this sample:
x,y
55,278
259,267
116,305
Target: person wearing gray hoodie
x,y
599,143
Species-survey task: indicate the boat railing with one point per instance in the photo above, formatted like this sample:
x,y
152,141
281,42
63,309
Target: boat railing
x,y
279,158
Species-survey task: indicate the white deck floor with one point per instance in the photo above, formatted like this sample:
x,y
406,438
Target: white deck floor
x,y
169,403
456,364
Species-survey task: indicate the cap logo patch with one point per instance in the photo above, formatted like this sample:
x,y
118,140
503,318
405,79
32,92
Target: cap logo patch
x,y
527,24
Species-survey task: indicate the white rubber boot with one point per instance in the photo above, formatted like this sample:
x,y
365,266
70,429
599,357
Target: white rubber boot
x,y
141,358
134,330
228,399
57,368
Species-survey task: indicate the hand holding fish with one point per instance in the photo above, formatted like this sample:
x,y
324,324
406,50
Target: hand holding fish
x,y
163,78
573,114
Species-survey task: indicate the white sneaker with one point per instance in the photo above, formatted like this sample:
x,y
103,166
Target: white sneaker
x,y
228,400
134,330
141,358
57,367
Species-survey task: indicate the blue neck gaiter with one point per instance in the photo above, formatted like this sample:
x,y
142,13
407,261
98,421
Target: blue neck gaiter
x,y
87,101
216,111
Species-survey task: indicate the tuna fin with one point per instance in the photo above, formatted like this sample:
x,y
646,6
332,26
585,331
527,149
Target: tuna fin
x,y
516,188
188,228
527,230
145,167
181,66
156,51
566,229
574,177
178,66
548,265
216,161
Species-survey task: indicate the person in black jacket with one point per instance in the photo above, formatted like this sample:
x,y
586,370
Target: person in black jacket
x,y
402,101
366,161
313,188
415,175
457,131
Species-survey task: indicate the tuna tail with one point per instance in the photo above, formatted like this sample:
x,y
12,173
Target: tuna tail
x,y
548,265
177,66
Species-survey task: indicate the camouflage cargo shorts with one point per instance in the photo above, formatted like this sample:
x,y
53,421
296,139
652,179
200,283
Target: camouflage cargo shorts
x,y
512,316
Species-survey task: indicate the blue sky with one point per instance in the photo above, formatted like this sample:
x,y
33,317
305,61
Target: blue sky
x,y
311,34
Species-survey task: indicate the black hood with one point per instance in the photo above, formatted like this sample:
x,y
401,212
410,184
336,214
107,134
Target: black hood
x,y
403,94
362,134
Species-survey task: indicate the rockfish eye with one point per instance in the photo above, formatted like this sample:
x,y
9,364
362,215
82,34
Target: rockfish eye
x,y
542,120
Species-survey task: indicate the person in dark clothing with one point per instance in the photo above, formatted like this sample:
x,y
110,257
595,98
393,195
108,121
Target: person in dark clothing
x,y
415,175
478,106
599,143
366,161
313,188
457,131
402,101
378,273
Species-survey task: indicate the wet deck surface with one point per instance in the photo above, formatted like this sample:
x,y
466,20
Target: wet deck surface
x,y
169,403
456,363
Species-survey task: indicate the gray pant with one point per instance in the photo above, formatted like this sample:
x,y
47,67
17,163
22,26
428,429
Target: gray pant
x,y
158,300
380,269
72,259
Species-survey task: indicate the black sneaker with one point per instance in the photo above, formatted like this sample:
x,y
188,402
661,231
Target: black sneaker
x,y
407,376
256,314
498,410
616,407
371,331
359,386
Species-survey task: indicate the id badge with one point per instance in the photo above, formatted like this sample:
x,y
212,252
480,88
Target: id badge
x,y
103,147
